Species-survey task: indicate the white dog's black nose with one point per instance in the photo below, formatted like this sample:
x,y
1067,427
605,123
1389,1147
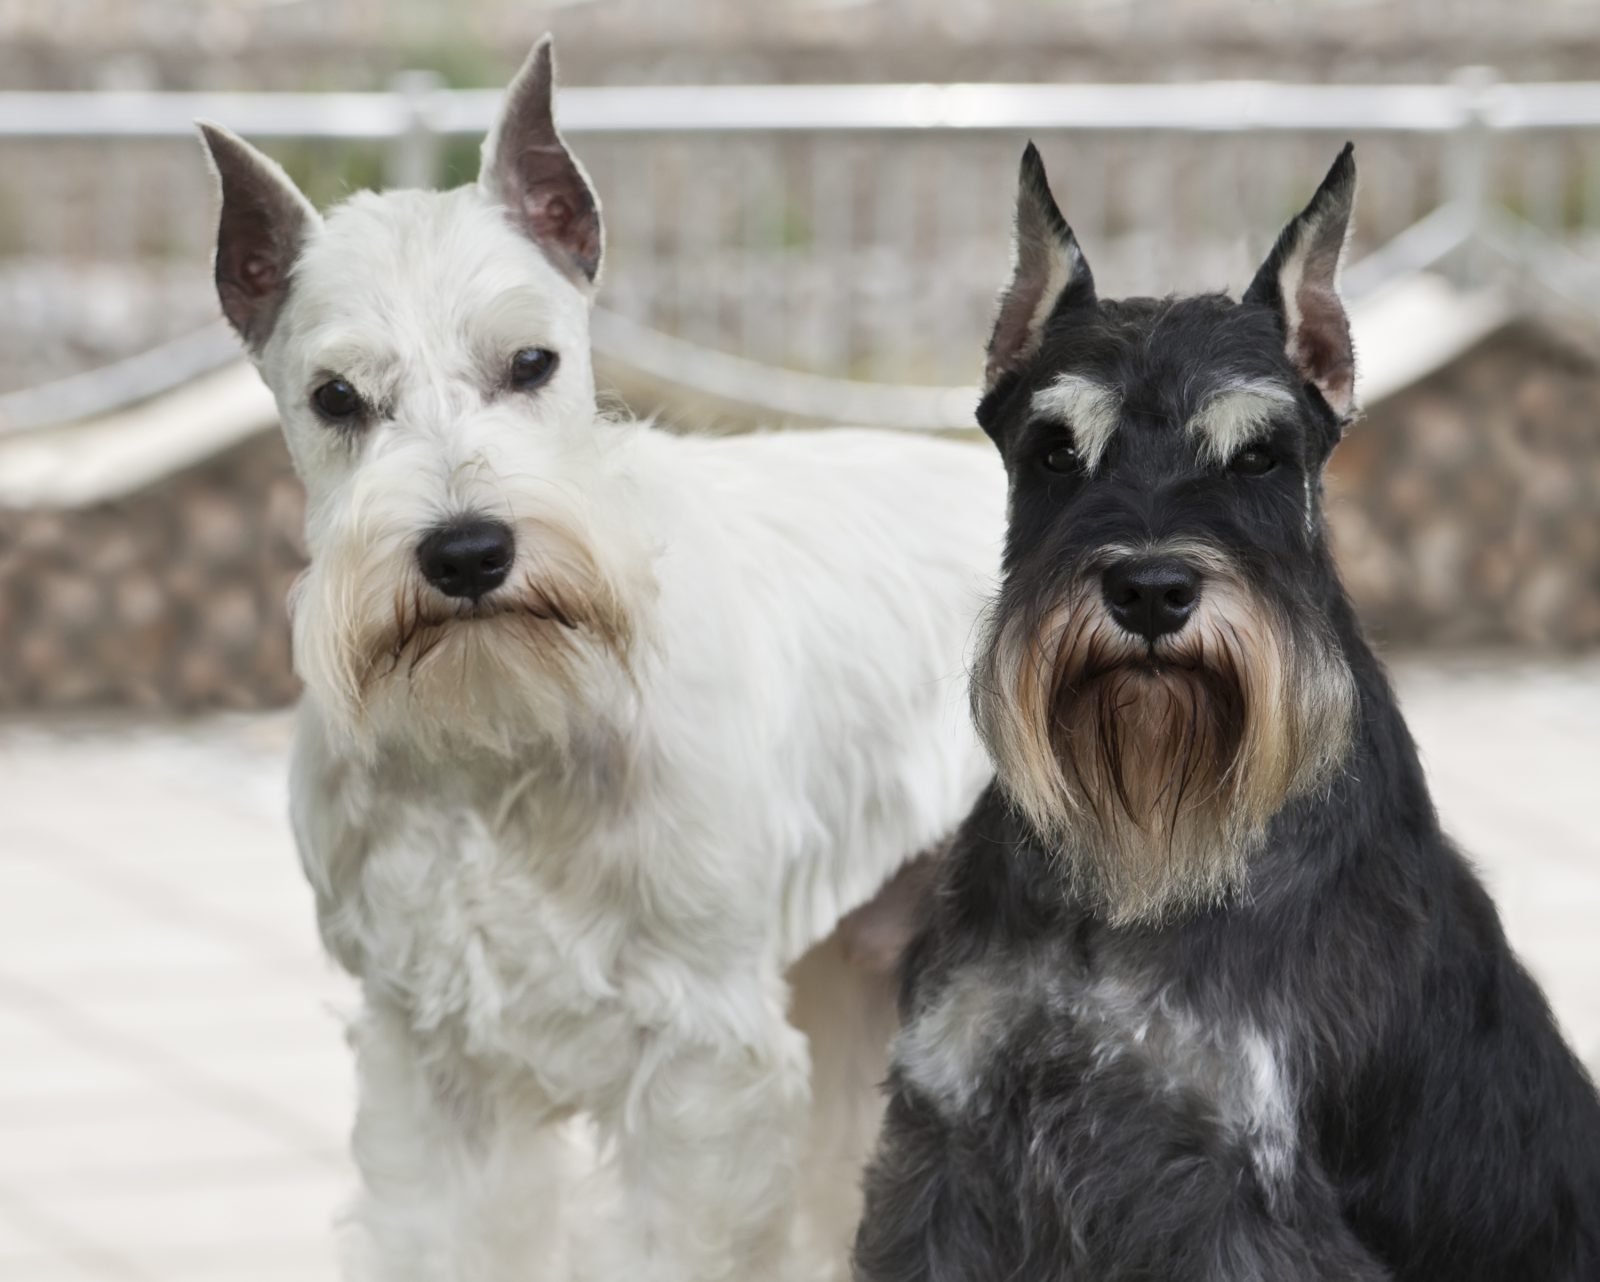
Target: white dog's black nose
x,y
467,558
1151,595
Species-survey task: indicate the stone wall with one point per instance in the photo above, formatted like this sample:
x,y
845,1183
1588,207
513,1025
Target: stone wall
x,y
171,598
1466,512
1466,509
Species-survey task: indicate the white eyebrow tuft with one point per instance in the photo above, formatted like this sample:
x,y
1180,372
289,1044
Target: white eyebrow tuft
x,y
1092,410
1236,414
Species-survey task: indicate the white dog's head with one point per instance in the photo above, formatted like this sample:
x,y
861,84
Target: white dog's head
x,y
471,558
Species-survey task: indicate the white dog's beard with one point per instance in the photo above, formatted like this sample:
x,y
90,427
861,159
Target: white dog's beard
x,y
388,657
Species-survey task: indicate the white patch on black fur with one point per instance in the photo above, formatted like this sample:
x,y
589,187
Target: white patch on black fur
x,y
1266,1110
1091,409
1234,1066
946,1050
950,1046
1236,415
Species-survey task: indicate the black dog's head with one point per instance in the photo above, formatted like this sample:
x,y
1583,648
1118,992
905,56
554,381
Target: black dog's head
x,y
1159,677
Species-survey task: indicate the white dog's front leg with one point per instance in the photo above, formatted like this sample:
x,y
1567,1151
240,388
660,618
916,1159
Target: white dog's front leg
x,y
466,1176
709,1146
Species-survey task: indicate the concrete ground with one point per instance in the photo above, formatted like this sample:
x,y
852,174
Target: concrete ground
x,y
174,1089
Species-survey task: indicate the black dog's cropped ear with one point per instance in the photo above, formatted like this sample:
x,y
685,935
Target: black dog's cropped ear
x,y
528,169
263,224
1047,268
1300,282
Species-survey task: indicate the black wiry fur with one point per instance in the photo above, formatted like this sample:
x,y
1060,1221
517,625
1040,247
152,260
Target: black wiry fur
x,y
1435,1126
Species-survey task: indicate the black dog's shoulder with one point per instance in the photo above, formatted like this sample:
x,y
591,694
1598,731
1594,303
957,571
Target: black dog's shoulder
x,y
1466,1140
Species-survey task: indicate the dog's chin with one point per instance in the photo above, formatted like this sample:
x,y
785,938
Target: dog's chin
x,y
1155,770
451,636
1147,754
499,674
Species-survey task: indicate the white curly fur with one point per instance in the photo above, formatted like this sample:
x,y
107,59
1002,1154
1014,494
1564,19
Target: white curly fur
x,y
571,862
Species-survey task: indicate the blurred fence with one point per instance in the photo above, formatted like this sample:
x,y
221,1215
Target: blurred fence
x,y
855,231
810,252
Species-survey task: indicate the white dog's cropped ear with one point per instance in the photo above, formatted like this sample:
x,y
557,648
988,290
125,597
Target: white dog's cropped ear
x,y
1047,270
263,224
528,169
1300,282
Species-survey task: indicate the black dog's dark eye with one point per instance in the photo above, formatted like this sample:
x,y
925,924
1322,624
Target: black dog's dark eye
x,y
1252,462
532,366
1063,458
336,399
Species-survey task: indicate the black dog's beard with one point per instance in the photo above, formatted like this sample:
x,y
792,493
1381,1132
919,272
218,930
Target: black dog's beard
x,y
1155,769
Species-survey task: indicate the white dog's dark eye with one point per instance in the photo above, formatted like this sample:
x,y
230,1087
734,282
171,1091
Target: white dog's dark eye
x,y
531,367
1253,462
1062,458
336,399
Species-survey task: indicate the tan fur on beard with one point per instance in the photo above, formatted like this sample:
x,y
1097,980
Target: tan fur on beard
x,y
1157,780
563,600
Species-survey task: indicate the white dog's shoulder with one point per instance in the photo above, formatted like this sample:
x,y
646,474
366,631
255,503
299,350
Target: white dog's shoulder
x,y
859,561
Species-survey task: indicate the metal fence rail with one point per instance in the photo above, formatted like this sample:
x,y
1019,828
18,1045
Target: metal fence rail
x,y
416,102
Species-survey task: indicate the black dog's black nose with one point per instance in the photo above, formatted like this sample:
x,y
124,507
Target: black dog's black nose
x,y
1151,596
467,558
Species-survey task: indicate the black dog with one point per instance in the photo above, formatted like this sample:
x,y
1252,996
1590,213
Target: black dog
x,y
1207,994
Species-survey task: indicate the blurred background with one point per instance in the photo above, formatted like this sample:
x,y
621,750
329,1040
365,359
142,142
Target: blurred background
x,y
808,207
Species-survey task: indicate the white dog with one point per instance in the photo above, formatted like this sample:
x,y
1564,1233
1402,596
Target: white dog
x,y
603,730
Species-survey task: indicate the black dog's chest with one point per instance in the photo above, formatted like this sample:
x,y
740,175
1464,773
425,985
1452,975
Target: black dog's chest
x,y
1080,1026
